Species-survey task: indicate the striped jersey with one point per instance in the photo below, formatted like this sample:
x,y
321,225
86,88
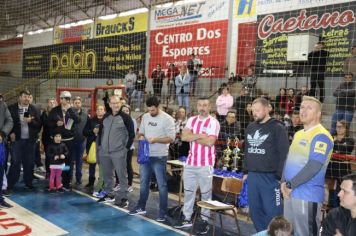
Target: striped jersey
x,y
202,155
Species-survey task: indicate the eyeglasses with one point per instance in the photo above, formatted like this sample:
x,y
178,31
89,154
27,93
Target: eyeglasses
x,y
340,126
65,98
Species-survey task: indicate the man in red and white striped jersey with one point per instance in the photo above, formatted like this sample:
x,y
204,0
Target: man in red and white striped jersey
x,y
201,131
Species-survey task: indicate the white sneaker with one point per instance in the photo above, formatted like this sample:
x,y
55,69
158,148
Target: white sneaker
x,y
116,188
130,189
137,109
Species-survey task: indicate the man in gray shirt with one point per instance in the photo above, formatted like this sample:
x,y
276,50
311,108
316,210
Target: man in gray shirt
x,y
158,128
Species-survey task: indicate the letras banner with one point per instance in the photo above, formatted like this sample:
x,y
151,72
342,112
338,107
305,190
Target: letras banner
x,y
334,25
109,57
207,40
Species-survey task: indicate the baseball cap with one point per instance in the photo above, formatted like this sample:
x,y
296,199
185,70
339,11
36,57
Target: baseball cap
x,y
65,94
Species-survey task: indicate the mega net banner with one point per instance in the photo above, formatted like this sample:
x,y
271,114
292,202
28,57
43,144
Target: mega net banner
x,y
109,57
335,25
207,40
72,34
190,13
121,25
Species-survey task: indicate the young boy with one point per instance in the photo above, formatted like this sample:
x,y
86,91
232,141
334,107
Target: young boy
x,y
57,152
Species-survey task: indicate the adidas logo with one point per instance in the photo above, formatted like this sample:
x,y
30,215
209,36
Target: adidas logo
x,y
256,141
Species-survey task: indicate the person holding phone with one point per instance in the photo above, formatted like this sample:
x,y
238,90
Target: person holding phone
x,y
23,136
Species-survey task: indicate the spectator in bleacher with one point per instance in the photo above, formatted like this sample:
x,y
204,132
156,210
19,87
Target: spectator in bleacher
x,y
341,221
79,138
180,148
130,172
246,119
249,82
46,133
303,92
350,62
337,168
140,86
157,80
64,118
194,65
157,127
291,100
91,132
6,124
130,80
182,82
266,147
223,102
345,95
172,73
295,125
115,139
23,136
37,158
241,103
202,132
317,60
281,101
304,172
230,127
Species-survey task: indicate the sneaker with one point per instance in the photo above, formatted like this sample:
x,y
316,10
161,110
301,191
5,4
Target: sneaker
x,y
89,185
5,205
106,199
137,211
184,224
203,228
96,194
161,219
41,169
130,189
116,188
123,203
5,193
51,191
137,109
29,187
67,189
60,190
102,194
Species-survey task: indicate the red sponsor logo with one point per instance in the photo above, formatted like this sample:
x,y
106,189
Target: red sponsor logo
x,y
10,227
269,25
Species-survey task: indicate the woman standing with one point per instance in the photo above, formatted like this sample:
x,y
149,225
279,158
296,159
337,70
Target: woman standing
x,y
183,87
343,144
140,86
224,102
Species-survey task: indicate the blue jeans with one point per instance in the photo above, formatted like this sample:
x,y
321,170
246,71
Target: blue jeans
x,y
139,95
78,150
129,92
340,115
183,100
22,152
158,166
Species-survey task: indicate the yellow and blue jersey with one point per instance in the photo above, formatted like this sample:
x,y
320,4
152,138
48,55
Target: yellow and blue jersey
x,y
314,144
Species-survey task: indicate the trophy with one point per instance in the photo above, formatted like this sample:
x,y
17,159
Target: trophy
x,y
236,152
227,152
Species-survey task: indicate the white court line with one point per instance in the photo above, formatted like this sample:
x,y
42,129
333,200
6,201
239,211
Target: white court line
x,y
126,211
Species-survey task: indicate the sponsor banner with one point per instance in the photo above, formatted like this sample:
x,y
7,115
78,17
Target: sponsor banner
x,y
190,13
121,25
207,40
72,34
245,8
109,57
18,221
271,6
335,27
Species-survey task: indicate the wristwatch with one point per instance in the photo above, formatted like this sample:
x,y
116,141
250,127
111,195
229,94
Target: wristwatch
x,y
289,185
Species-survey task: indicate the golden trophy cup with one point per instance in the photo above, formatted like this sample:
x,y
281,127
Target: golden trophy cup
x,y
227,152
236,152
